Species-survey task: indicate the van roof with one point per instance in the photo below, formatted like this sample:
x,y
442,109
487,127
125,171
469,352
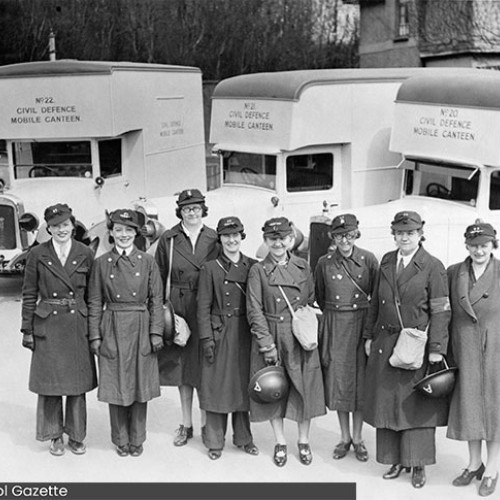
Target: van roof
x,y
288,85
72,66
476,88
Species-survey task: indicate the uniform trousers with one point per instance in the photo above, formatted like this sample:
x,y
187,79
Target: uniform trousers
x,y
216,426
409,448
128,423
51,422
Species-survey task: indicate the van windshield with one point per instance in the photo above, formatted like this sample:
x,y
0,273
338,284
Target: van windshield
x,y
445,181
52,159
251,169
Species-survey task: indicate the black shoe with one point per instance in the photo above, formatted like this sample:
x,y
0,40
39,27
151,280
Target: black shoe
x,y
250,448
360,451
468,475
341,450
395,471
122,450
136,451
418,477
305,453
183,434
77,447
57,447
280,455
214,454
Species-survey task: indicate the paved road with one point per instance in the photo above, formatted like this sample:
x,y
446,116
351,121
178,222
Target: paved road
x,y
22,458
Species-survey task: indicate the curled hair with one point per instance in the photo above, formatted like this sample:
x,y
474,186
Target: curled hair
x,y
73,221
356,236
420,232
110,224
495,244
243,235
204,210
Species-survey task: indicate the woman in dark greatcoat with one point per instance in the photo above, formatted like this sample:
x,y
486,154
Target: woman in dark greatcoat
x,y
193,245
475,345
271,325
344,281
225,341
404,418
54,326
126,328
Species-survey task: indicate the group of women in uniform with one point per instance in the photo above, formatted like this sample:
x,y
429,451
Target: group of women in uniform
x,y
238,311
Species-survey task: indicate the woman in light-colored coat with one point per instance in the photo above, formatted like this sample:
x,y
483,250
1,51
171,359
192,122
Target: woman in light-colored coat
x,y
404,418
54,326
271,324
475,346
125,329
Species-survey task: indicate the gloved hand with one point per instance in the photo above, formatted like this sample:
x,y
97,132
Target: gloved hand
x,y
95,345
29,341
271,357
156,342
208,346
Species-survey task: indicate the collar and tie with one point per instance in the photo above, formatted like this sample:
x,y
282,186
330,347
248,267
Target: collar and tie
x,y
400,267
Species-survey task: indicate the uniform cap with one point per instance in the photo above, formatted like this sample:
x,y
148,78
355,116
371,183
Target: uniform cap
x,y
278,226
228,225
479,233
126,217
190,196
407,221
344,223
55,214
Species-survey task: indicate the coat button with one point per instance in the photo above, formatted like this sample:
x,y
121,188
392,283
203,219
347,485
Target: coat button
x,y
382,327
50,263
110,259
74,262
337,297
337,306
383,302
380,351
117,295
354,306
227,293
111,276
71,293
54,312
55,294
281,318
138,274
278,300
225,282
134,294
139,257
229,315
72,311
356,295
333,277
359,276
362,257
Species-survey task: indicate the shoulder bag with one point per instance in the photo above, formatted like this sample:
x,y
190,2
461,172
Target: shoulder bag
x,y
304,324
409,351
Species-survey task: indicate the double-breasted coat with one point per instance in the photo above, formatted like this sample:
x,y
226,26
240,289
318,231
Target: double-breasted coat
x,y
475,346
390,400
222,318
345,307
271,323
181,365
125,308
54,310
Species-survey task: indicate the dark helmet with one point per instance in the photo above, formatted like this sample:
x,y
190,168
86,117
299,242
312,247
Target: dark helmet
x,y
438,384
268,385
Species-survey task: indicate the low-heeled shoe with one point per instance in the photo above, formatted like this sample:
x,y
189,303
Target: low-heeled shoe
x,y
305,453
360,451
341,450
468,475
418,477
77,447
395,471
280,454
57,447
250,448
488,485
183,434
214,454
122,450
136,451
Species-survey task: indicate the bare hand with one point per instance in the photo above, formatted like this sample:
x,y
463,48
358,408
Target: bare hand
x,y
271,357
156,342
368,347
435,357
95,345
29,341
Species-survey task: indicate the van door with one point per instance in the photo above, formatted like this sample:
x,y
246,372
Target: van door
x,y
312,177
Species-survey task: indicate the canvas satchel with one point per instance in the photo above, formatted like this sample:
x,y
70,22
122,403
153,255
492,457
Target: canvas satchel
x,y
304,325
409,351
179,329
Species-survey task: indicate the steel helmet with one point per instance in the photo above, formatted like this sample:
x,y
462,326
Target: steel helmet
x,y
268,385
438,384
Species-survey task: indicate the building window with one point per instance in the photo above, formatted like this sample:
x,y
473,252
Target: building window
x,y
402,19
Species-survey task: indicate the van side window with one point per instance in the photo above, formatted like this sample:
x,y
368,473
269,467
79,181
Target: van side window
x,y
52,159
250,169
309,172
110,157
495,190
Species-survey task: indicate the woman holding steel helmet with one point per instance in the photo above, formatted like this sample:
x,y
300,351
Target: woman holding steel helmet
x,y
191,244
271,325
344,281
54,326
412,285
125,331
225,340
475,345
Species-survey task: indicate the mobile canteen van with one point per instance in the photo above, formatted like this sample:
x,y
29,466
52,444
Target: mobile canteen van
x,y
298,143
447,129
95,135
